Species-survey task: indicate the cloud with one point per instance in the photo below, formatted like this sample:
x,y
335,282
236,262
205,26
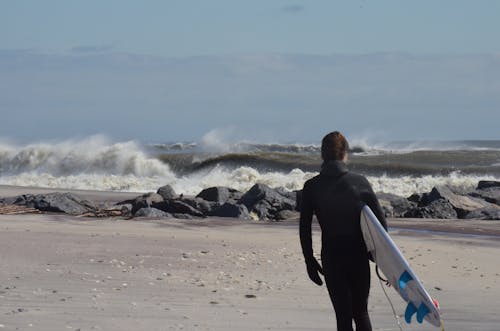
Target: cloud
x,y
292,9
282,96
93,49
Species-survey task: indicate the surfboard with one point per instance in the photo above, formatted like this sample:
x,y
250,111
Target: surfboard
x,y
396,268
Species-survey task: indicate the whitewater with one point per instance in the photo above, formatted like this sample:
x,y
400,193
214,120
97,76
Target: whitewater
x,y
97,163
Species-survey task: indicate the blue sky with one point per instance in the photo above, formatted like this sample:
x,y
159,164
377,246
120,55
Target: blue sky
x,y
262,70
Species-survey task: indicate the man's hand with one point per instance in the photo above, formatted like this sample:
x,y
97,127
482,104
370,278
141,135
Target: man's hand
x,y
313,270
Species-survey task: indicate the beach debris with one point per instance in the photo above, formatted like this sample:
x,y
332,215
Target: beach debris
x,y
15,209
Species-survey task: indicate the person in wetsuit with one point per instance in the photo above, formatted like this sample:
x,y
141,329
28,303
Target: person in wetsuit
x,y
336,197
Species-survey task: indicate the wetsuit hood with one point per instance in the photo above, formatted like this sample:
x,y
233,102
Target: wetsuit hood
x,y
333,168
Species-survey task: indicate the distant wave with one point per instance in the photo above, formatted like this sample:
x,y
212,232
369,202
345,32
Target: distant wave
x,y
413,164
357,146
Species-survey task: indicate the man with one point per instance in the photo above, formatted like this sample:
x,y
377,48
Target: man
x,y
336,197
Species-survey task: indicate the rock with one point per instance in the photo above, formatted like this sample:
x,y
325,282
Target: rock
x,y
287,215
151,212
462,204
484,184
416,197
264,210
386,208
394,205
145,201
484,214
205,207
167,192
57,202
8,200
192,206
292,195
181,207
230,209
183,216
441,209
490,194
401,205
267,202
219,194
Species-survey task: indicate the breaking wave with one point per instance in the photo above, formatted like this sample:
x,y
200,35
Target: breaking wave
x,y
96,163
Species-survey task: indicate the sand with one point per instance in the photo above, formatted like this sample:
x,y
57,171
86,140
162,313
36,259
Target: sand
x,y
60,272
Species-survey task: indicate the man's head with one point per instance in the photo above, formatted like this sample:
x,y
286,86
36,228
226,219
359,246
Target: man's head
x,y
334,147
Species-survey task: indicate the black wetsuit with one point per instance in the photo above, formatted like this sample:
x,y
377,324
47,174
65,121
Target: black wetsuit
x,y
336,197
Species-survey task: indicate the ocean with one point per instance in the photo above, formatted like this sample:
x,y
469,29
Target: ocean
x,y
96,163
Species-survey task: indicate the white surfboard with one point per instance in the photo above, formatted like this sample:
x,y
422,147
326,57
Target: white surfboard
x,y
398,271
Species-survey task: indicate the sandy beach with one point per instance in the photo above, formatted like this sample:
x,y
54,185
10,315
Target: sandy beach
x,y
61,272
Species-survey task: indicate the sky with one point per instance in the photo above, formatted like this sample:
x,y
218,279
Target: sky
x,y
267,71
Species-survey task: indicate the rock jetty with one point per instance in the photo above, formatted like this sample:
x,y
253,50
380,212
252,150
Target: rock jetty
x,y
262,202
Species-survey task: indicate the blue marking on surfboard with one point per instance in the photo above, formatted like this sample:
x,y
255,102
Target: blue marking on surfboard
x,y
403,279
410,310
421,312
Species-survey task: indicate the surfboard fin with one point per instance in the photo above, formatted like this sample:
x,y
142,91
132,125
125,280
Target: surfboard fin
x,y
410,310
421,312
403,279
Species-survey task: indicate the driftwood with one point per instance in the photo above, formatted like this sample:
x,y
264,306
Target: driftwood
x,y
104,213
14,210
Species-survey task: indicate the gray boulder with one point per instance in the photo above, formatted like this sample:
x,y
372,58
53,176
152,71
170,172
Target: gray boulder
x,y
57,202
484,214
401,206
144,201
205,207
485,184
441,209
417,198
230,209
265,211
287,215
267,202
167,192
489,194
183,216
462,204
219,194
181,207
394,205
151,212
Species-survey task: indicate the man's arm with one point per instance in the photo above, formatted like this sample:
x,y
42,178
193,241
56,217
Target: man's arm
x,y
306,214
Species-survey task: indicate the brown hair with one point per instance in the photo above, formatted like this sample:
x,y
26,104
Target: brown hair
x,y
334,146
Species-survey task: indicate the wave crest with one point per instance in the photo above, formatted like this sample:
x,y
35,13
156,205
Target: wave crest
x,y
94,155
